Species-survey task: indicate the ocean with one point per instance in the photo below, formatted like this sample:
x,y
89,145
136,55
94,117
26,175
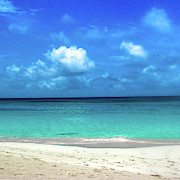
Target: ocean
x,y
129,117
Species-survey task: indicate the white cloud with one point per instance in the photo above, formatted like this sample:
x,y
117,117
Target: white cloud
x,y
13,68
47,85
158,19
18,28
67,19
64,69
135,50
14,72
74,59
7,7
38,70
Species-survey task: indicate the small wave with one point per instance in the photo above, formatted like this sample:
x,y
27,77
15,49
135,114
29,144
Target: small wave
x,y
110,139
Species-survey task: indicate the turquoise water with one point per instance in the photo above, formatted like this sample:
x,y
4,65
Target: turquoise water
x,y
151,118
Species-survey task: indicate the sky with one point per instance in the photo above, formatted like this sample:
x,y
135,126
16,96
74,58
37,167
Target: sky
x,y
89,48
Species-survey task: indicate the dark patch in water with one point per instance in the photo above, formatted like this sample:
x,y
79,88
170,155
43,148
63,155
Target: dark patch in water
x,y
64,134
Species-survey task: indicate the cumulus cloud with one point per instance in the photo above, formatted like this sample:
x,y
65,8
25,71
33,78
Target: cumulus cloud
x,y
66,19
63,82
64,68
18,28
74,59
13,68
39,70
7,7
135,50
158,19
47,84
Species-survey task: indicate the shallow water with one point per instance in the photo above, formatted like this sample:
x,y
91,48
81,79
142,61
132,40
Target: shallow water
x,y
150,117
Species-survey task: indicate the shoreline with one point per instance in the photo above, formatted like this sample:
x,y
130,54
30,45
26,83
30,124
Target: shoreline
x,y
99,142
71,162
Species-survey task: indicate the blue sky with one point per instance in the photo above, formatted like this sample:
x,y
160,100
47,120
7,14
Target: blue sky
x,y
51,48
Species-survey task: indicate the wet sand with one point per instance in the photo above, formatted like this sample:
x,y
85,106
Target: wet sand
x,y
43,161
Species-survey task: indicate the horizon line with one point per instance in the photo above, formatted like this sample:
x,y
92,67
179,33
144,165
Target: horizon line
x,y
90,97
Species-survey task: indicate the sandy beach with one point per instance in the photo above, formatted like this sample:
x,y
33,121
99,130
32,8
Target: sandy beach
x,y
42,161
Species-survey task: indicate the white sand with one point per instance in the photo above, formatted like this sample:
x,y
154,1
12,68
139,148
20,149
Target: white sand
x,y
97,163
